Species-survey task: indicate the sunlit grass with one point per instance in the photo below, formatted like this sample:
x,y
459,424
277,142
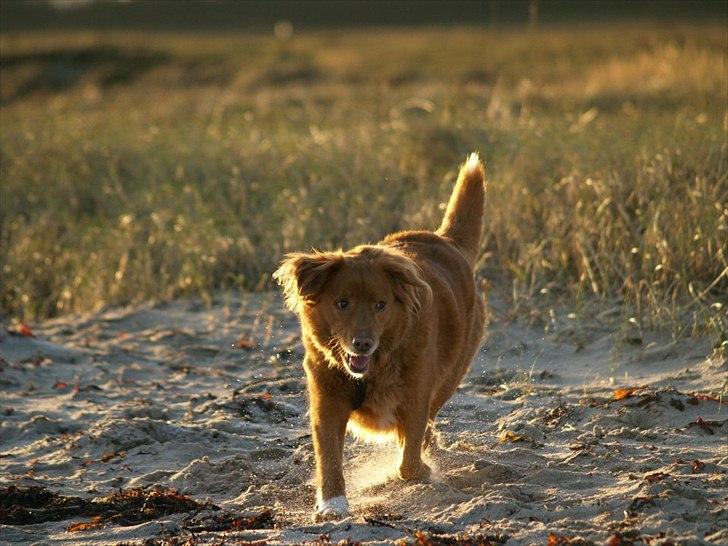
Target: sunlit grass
x,y
191,163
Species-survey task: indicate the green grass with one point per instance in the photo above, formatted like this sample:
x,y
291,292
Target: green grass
x,y
136,167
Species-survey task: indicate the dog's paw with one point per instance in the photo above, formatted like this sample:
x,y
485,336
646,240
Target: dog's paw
x,y
414,473
331,509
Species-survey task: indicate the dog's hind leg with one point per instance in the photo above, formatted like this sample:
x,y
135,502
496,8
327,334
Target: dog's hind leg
x,y
430,439
459,368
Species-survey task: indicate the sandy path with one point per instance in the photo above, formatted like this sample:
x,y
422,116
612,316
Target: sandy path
x,y
533,443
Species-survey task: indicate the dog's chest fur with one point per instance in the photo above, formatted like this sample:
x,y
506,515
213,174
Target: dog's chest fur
x,y
376,419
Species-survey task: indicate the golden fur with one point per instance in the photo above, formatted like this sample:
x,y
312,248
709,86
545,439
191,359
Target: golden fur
x,y
403,316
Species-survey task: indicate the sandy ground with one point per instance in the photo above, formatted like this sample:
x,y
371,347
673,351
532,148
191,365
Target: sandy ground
x,y
533,443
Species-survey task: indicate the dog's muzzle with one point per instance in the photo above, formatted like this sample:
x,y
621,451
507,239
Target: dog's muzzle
x,y
358,364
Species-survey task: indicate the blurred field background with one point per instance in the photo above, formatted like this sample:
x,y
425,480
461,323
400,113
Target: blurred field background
x,y
148,157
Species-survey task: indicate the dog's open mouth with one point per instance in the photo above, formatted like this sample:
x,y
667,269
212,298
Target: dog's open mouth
x,y
358,363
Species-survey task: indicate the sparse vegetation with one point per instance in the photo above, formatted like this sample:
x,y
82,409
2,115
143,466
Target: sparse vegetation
x,y
136,167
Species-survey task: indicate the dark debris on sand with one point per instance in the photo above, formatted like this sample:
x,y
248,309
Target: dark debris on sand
x,y
421,538
29,505
227,521
36,504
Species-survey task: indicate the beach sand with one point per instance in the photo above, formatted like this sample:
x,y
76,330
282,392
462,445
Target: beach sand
x,y
210,400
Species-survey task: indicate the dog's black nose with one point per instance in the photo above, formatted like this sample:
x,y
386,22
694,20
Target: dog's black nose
x,y
362,344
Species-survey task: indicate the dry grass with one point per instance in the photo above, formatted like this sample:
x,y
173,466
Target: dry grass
x,y
148,168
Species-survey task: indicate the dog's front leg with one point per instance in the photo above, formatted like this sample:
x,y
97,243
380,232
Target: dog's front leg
x,y
329,416
411,437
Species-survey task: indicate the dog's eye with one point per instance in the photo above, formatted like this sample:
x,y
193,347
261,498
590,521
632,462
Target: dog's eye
x,y
342,304
381,305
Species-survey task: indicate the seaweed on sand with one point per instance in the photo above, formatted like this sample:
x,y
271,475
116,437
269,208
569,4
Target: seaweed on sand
x,y
36,504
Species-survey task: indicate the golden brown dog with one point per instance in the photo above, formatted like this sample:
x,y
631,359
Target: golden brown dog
x,y
389,330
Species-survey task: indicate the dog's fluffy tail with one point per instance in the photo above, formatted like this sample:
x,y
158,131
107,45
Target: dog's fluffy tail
x,y
463,221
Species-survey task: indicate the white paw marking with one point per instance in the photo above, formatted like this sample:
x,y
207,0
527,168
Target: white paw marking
x,y
333,506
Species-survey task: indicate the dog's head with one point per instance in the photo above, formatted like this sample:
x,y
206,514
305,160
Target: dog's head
x,y
354,305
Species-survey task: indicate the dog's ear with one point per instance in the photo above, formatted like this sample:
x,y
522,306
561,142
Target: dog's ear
x,y
302,276
409,286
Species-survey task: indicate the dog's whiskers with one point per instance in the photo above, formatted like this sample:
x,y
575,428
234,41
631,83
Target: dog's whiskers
x,y
337,351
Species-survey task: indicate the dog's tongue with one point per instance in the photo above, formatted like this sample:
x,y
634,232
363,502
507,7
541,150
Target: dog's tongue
x,y
359,363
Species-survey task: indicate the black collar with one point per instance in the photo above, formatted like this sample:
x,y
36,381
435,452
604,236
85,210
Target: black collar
x,y
360,392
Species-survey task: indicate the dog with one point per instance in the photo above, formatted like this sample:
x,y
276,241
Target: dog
x,y
389,330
